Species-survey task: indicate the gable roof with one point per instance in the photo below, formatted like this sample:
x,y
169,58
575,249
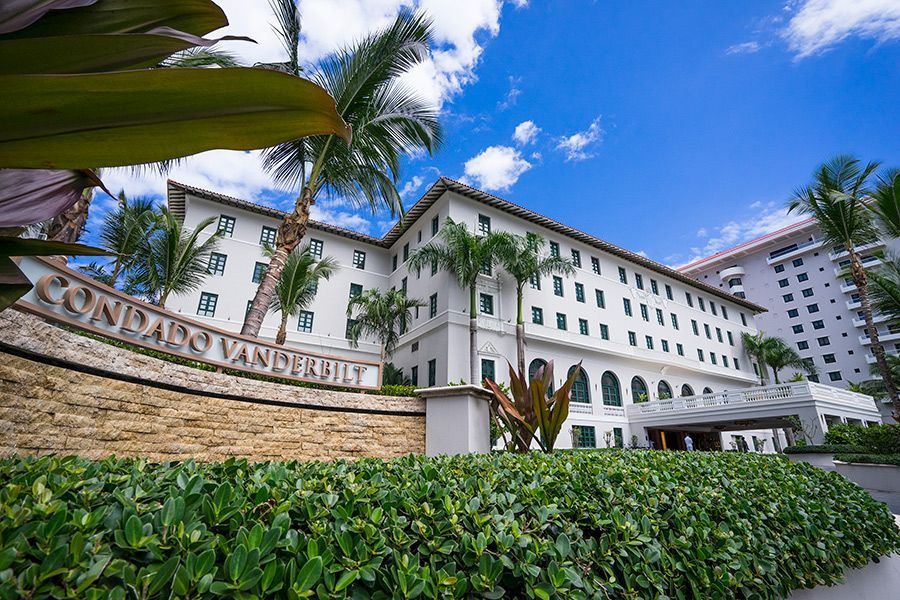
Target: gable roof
x,y
437,189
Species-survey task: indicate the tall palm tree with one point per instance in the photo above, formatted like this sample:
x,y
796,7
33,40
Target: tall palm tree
x,y
756,346
465,255
384,315
885,203
835,199
173,260
125,229
524,260
885,290
388,121
781,356
298,284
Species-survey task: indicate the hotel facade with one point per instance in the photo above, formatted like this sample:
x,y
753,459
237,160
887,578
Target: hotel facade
x,y
643,331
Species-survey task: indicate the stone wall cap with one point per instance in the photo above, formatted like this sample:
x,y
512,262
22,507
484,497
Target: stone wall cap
x,y
454,390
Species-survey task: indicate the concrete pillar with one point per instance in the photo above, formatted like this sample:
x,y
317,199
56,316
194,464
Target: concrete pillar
x,y
457,420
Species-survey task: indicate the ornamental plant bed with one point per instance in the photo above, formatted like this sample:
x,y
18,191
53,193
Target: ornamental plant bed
x,y
612,524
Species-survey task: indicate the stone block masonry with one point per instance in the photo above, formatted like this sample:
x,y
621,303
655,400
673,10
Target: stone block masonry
x,y
66,394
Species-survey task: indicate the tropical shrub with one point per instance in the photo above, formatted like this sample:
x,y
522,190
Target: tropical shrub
x,y
842,433
878,459
823,449
611,523
876,439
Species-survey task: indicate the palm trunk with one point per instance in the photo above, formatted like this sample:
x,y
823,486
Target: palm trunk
x,y
520,332
67,226
163,298
858,274
291,231
775,371
282,330
473,338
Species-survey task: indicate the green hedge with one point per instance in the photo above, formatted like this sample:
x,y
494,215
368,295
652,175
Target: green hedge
x,y
611,524
880,459
824,449
877,439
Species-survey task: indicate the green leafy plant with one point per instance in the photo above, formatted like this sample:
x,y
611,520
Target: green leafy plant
x,y
586,524
533,410
876,459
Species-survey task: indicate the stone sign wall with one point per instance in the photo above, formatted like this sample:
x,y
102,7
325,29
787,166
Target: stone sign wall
x,y
65,393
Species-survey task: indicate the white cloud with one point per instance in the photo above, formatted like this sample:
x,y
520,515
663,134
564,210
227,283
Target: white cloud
x,y
820,24
512,96
344,219
496,168
702,232
526,132
744,48
642,253
411,186
576,146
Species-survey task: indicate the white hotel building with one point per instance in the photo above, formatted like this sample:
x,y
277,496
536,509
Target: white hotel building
x,y
644,332
811,302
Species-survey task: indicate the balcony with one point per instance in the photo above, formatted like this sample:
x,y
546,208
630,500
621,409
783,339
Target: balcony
x,y
885,337
583,408
736,288
870,358
868,263
787,254
837,255
862,322
736,271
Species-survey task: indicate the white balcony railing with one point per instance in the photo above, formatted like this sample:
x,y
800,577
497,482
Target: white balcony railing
x,y
584,408
840,254
782,255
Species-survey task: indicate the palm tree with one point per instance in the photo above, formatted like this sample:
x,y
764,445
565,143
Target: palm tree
x,y
756,346
780,356
388,121
524,261
173,260
836,200
383,315
885,290
125,229
466,256
298,284
885,203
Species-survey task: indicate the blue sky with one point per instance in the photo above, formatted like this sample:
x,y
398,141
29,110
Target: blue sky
x,y
673,129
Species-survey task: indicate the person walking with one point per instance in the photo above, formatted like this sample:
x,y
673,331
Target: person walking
x,y
688,443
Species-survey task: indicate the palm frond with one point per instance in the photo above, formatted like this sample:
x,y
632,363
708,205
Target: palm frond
x,y
299,281
198,58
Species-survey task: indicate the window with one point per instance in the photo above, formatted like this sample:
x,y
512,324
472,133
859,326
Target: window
x,y
834,375
707,331
823,341
579,292
316,247
818,324
788,297
829,358
216,264
712,358
484,224
783,283
268,235
583,436
561,321
359,259
618,437
797,262
604,332
626,303
812,308
595,265
689,299
665,345
487,370
581,389
669,291
601,299
305,321
638,390
743,320
649,341
700,355
350,324
433,267
583,326
226,226
609,389
639,281
793,313
803,345
557,285
623,276
695,327
701,303
414,375
654,287
719,335
406,252
487,268
779,268
730,338
419,237
404,283
679,349
554,249
535,282
645,314
259,269
394,263
576,258
807,292
674,318
537,315
207,306
414,347
797,328
802,277
355,289
724,313
632,338
432,372
486,304
712,308
660,318
432,306
724,361
737,365
435,225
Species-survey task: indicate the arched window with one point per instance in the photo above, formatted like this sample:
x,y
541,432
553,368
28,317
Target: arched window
x,y
706,390
663,390
638,390
687,390
533,369
581,389
609,385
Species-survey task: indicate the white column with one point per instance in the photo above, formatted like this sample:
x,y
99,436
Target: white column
x,y
457,420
